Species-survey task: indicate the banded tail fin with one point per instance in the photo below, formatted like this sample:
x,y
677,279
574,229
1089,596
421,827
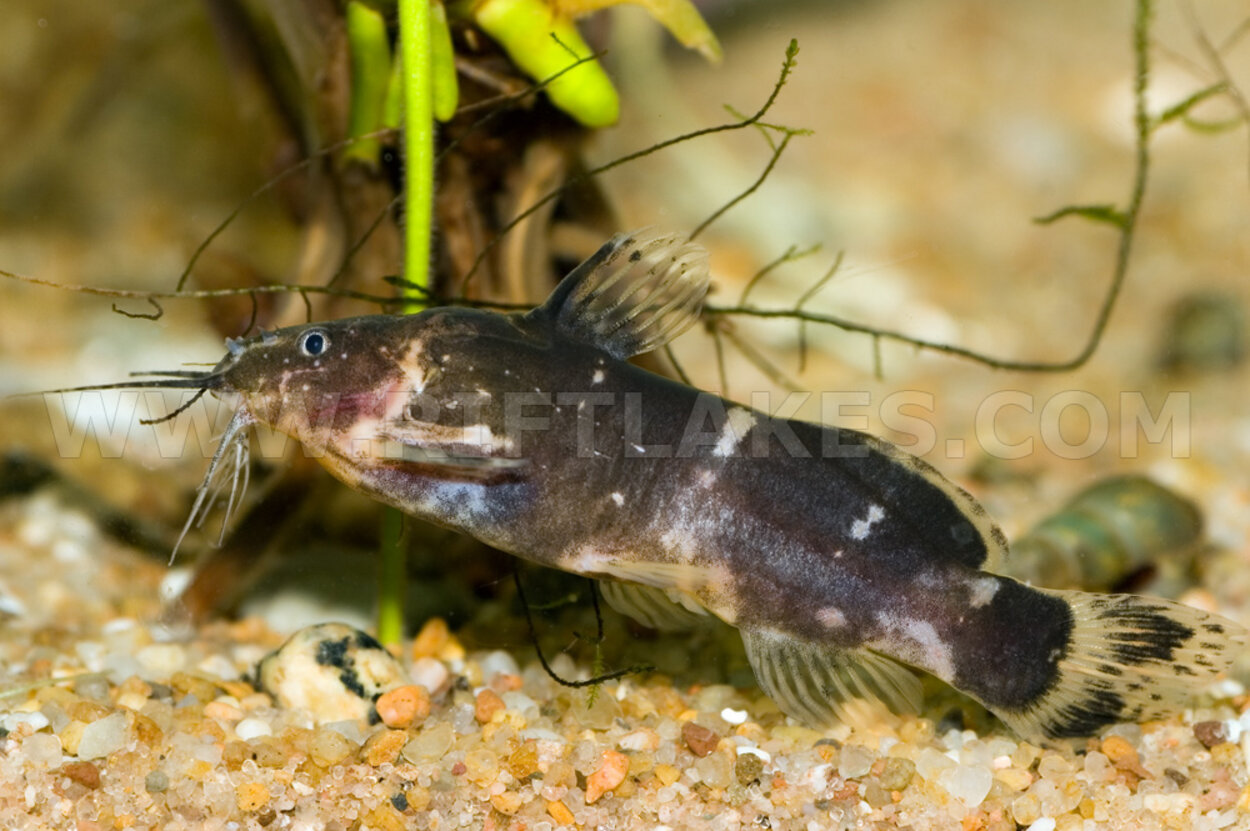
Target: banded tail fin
x,y
1128,658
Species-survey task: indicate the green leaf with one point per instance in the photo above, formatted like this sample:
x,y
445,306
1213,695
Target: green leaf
x,y
1108,214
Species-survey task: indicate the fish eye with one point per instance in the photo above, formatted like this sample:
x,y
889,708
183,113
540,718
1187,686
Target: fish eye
x,y
314,343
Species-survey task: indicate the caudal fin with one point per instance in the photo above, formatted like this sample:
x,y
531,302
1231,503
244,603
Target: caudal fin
x,y
1128,658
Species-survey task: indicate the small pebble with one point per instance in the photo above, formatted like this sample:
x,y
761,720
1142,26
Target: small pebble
x,y
431,639
610,773
384,746
644,738
599,715
854,761
223,711
1043,824
12,721
487,704
159,661
748,768
699,739
498,663
251,796
430,673
523,762
716,770
250,728
102,737
330,747
897,773
507,803
430,744
156,782
970,784
42,749
403,706
1211,733
560,813
84,773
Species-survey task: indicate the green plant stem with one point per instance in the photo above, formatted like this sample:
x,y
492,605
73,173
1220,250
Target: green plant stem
x,y
392,577
418,108
415,52
371,70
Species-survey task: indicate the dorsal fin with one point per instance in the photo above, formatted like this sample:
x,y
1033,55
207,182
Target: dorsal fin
x,y
636,293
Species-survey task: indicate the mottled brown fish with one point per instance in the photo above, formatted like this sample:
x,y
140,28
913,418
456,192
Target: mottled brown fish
x,y
839,557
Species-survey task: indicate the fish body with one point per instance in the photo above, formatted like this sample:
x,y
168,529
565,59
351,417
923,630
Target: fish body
x,y
838,556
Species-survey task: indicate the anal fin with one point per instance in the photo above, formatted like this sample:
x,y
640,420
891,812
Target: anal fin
x,y
820,685
653,607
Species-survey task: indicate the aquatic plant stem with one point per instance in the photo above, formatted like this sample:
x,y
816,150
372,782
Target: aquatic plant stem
x,y
418,120
392,577
415,54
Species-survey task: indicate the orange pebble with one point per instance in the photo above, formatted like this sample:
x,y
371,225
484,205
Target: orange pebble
x,y
1119,751
488,703
432,638
560,813
611,772
403,706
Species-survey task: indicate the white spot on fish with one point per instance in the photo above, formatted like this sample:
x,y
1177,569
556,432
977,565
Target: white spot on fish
x,y
597,378
982,591
617,498
861,528
831,617
737,424
916,642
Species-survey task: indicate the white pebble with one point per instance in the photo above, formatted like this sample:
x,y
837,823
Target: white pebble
x,y
161,660
102,737
430,673
250,728
755,751
36,720
11,604
42,749
220,666
1043,824
91,653
854,761
521,703
733,716
967,783
641,739
498,663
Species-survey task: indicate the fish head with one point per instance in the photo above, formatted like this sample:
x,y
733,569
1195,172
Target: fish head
x,y
387,389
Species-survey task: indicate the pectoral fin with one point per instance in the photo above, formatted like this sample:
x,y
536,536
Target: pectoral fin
x,y
654,607
819,684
